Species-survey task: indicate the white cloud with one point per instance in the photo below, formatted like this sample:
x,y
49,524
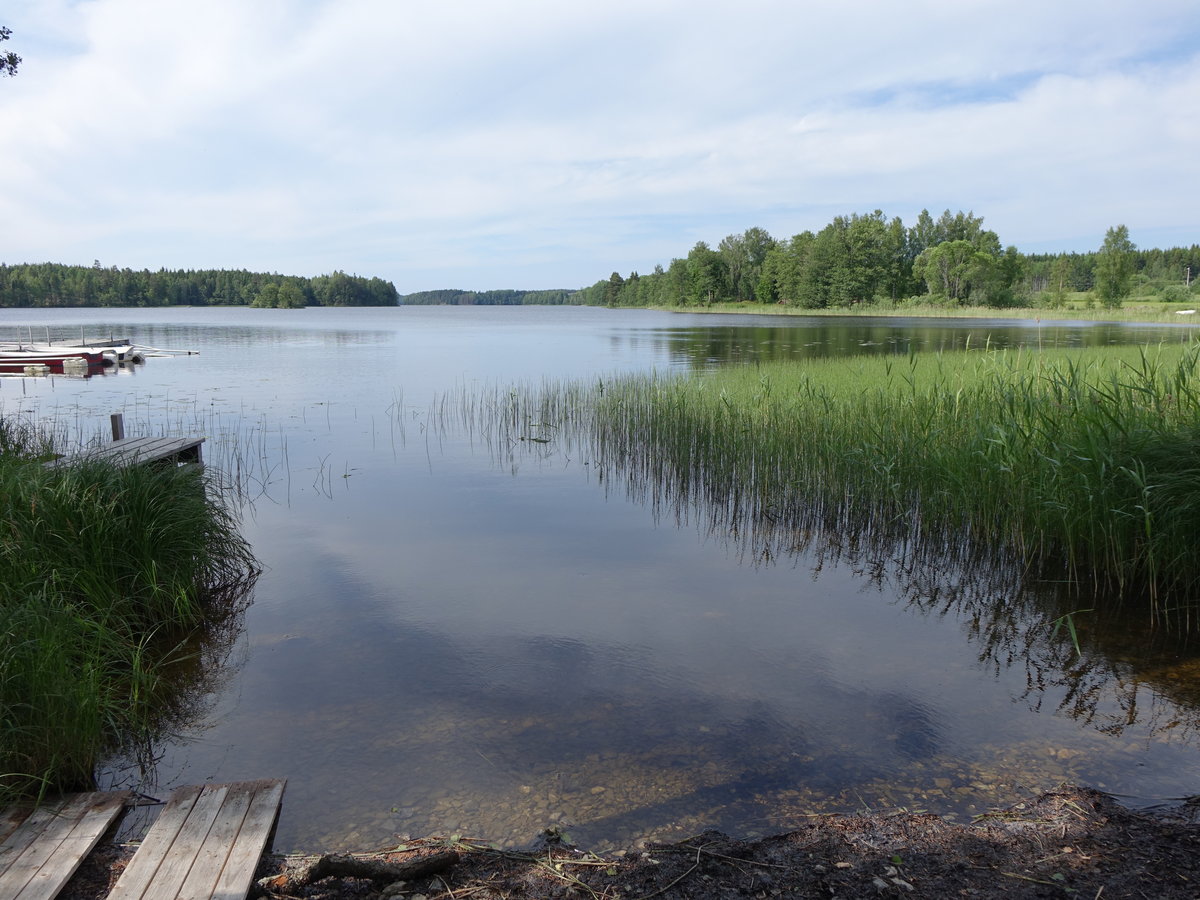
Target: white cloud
x,y
539,143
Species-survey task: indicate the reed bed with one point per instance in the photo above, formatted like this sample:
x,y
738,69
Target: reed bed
x,y
109,576
1078,465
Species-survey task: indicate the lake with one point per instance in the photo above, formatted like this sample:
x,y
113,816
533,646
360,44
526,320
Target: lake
x,y
452,636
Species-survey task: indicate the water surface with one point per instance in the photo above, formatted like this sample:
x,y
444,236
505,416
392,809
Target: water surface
x,y
453,636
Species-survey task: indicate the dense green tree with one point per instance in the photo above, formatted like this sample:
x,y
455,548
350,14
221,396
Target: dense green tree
x,y
337,289
850,261
952,268
999,285
784,268
1059,285
613,291
923,234
743,256
1114,267
959,226
815,277
290,296
675,290
966,226
268,296
708,277
898,283
767,290
340,289
736,259
632,292
758,243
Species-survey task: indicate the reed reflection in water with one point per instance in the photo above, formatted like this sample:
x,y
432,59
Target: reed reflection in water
x,y
1107,666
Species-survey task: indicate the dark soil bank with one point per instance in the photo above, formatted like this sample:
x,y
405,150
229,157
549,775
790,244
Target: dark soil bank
x,y
1069,843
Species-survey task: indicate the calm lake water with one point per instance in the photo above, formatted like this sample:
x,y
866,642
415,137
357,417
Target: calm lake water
x,y
455,637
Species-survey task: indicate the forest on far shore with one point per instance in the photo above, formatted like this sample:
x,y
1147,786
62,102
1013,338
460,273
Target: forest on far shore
x,y
855,260
54,284
869,259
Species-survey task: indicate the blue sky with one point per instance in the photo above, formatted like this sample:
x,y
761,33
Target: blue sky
x,y
537,143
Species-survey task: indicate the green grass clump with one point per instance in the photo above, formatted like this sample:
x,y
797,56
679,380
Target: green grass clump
x,y
107,576
1081,463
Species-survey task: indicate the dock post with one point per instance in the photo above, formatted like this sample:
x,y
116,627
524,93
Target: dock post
x,y
118,426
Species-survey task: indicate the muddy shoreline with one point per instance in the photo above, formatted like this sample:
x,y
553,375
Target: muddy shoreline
x,y
1069,842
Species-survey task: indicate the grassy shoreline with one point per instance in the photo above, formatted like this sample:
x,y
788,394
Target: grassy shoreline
x,y
115,581
1132,311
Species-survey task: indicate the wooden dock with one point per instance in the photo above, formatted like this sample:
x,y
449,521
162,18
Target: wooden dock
x,y
43,847
138,451
204,845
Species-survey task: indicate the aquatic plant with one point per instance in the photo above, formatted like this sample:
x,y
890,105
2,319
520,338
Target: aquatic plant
x,y
109,575
1079,465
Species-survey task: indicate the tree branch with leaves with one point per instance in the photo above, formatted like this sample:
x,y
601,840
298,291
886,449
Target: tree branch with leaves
x,y
8,61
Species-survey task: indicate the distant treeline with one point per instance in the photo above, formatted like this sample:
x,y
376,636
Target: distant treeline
x,y
53,284
866,259
452,297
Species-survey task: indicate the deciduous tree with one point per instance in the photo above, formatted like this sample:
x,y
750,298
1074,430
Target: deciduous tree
x,y
707,275
1114,267
951,269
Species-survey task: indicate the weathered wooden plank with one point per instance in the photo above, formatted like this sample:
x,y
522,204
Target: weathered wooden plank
x,y
238,874
146,449
205,844
42,855
12,817
138,450
174,869
76,844
211,856
136,879
174,866
14,845
14,864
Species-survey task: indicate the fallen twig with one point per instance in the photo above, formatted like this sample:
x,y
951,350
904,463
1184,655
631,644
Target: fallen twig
x,y
373,869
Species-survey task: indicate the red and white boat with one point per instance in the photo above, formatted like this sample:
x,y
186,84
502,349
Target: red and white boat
x,y
14,355
52,356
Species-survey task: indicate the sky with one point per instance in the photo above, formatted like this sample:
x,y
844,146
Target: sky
x,y
545,144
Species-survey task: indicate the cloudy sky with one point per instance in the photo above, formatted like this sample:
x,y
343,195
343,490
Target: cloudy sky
x,y
545,143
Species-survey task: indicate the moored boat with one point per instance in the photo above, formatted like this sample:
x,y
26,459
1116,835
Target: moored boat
x,y
57,356
114,354
115,350
93,351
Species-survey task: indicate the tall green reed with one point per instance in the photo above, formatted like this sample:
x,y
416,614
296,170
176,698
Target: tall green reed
x,y
109,576
1079,465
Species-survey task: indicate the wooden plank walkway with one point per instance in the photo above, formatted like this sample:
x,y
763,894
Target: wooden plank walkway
x,y
138,450
206,843
43,848
10,819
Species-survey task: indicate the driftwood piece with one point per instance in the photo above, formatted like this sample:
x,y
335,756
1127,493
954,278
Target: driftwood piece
x,y
376,870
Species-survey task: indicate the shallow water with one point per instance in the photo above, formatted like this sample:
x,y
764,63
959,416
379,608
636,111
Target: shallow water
x,y
457,637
